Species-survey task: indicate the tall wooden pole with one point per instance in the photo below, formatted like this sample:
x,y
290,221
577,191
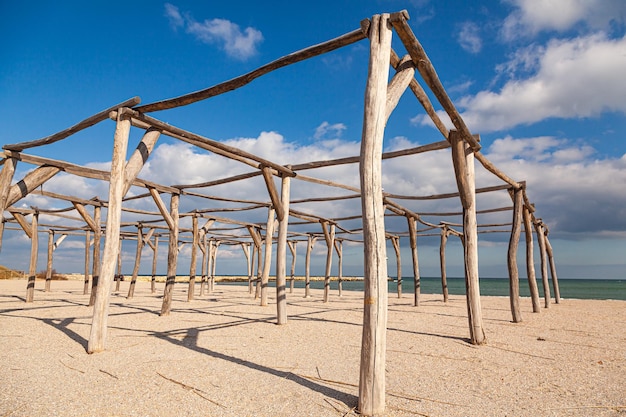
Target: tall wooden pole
x,y
194,259
530,262
555,279
395,241
138,249
329,236
307,266
339,249
518,204
373,343
412,221
463,160
155,251
292,249
118,277
95,266
269,232
86,283
34,248
541,239
97,337
281,253
49,263
172,257
442,262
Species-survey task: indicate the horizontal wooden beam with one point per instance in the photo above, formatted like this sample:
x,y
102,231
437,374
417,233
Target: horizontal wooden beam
x,y
90,121
328,46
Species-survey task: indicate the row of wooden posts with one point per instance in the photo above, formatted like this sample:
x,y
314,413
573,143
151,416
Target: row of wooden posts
x,y
381,97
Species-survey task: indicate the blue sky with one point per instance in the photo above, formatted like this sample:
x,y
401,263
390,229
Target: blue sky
x,y
541,82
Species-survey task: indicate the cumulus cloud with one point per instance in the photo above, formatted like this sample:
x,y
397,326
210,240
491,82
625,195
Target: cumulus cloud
x,y
533,16
581,77
237,43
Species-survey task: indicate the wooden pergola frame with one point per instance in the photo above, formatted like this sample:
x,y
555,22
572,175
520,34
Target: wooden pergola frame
x,y
381,97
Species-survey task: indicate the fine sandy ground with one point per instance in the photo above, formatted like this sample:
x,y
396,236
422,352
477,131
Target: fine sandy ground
x,y
222,355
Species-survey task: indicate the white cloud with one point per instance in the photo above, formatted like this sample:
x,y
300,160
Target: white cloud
x,y
237,43
469,37
533,16
576,78
326,130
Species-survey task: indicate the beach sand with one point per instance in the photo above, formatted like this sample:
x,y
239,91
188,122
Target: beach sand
x,y
222,355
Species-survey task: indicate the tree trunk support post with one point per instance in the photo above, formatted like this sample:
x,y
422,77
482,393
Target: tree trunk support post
x,y
442,261
138,249
172,257
49,263
34,249
373,343
395,241
463,160
281,252
516,228
541,239
194,259
530,263
307,265
98,334
269,232
329,236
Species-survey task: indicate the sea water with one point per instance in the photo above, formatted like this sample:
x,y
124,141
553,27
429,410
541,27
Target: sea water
x,y
597,289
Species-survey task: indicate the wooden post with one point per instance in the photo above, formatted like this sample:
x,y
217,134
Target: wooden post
x,y
373,343
518,204
395,241
246,251
555,279
530,263
172,257
329,236
339,249
95,267
209,265
34,248
155,250
281,252
194,259
417,290
463,160
269,232
307,266
541,239
86,284
256,238
133,280
442,262
216,245
259,273
97,337
6,176
118,277
49,263
292,249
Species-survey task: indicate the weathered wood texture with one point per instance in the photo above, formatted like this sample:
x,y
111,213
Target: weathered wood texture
x,y
541,240
172,256
555,278
49,260
373,343
518,203
307,265
98,334
138,249
463,161
442,263
329,237
412,226
86,282
193,262
95,265
530,261
281,252
32,269
269,233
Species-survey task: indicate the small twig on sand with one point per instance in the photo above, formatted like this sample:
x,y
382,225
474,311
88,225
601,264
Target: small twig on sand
x,y
73,369
109,374
192,389
521,353
582,407
327,380
406,397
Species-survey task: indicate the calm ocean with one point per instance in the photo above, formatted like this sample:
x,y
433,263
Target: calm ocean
x,y
598,289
